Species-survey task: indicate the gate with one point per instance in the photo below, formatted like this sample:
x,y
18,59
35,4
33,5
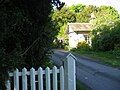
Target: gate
x,y
67,77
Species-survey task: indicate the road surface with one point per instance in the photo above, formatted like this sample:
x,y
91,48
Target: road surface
x,y
93,74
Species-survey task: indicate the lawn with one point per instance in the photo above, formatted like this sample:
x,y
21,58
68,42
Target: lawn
x,y
109,58
80,86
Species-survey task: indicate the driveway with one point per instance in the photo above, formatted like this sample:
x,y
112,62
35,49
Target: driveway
x,y
93,74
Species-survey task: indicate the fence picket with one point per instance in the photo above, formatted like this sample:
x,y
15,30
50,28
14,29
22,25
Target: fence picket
x,y
32,78
61,78
70,71
16,79
8,86
55,78
47,73
40,78
24,79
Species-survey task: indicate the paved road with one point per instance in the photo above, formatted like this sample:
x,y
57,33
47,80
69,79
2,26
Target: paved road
x,y
93,74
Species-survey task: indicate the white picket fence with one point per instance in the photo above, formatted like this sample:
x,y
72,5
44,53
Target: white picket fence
x,y
67,77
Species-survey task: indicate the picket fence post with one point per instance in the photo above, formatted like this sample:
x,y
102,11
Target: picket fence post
x,y
62,78
40,78
55,78
70,73
47,74
16,79
8,86
32,78
24,79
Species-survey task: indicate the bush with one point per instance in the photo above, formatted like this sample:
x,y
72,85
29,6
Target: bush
x,y
102,39
26,34
106,37
116,51
83,46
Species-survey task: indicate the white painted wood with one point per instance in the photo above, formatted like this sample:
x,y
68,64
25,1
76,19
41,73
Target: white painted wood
x,y
55,86
61,78
70,73
28,73
32,78
24,79
16,79
8,86
67,77
40,78
47,74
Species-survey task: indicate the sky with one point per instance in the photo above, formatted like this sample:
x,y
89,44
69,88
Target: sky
x,y
113,3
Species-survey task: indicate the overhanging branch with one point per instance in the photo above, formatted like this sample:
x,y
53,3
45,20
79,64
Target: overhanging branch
x,y
30,47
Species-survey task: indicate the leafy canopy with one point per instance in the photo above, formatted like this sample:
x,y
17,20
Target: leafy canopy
x,y
26,34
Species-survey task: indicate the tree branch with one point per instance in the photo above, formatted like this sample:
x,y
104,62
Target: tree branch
x,y
30,46
2,1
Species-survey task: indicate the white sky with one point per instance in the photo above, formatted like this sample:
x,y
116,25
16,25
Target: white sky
x,y
113,3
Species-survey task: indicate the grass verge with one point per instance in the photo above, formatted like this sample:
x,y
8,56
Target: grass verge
x,y
80,86
109,58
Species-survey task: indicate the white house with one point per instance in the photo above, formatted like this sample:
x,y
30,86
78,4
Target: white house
x,y
78,32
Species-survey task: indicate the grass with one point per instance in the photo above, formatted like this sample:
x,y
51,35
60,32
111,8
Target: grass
x,y
80,86
109,58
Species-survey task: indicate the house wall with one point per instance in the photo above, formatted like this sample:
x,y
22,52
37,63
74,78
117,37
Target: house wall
x,y
74,38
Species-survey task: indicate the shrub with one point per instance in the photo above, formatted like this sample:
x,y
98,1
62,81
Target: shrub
x,y
83,46
26,34
106,37
116,51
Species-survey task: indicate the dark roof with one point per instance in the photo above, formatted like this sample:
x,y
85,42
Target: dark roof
x,y
80,26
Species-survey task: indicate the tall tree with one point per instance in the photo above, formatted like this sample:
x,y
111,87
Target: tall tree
x,y
77,8
85,14
105,15
106,28
61,18
26,34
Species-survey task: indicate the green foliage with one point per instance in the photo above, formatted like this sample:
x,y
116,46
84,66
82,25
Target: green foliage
x,y
105,14
106,37
80,86
63,32
111,58
101,40
63,16
61,19
26,34
83,12
77,8
106,29
84,15
83,46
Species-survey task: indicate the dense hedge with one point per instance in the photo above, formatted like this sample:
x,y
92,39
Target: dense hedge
x,y
83,46
106,37
26,34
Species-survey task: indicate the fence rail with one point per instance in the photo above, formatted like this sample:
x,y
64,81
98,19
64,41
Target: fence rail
x,y
67,77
